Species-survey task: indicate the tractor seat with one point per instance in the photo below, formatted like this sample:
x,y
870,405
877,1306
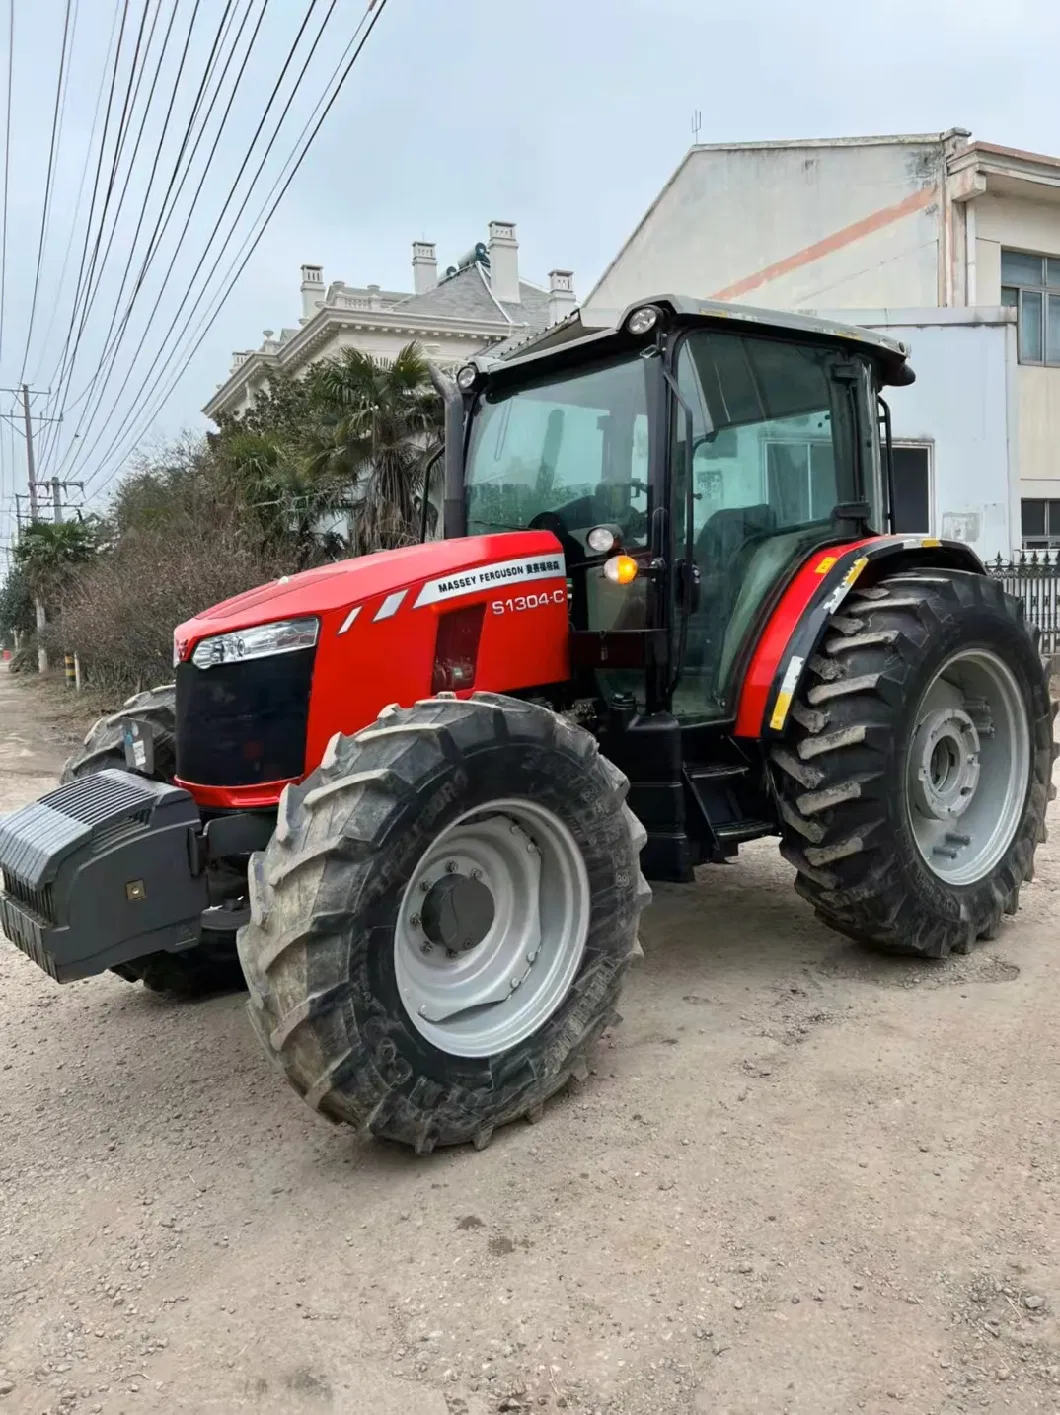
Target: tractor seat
x,y
721,555
727,532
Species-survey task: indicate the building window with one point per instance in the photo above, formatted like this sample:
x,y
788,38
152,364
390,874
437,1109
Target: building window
x,y
912,489
1041,524
1031,285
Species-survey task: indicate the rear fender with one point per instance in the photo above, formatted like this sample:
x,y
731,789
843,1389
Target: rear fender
x,y
798,623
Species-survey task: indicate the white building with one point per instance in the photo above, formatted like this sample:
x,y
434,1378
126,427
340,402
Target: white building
x,y
949,243
478,303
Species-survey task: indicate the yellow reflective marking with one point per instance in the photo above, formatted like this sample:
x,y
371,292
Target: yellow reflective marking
x,y
823,566
780,712
930,541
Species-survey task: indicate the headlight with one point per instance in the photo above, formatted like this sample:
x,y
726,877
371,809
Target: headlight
x,y
262,642
466,378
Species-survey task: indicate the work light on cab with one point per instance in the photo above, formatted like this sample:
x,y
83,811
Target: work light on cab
x,y
642,320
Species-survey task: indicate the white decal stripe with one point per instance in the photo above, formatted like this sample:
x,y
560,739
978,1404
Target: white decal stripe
x,y
350,618
494,576
390,606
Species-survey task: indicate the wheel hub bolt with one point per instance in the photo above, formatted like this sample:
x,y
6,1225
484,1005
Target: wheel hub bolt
x,y
515,983
476,874
415,921
466,944
425,886
450,953
425,948
450,867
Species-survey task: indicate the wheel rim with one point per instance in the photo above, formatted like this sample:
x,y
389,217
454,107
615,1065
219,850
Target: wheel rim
x,y
479,975
969,764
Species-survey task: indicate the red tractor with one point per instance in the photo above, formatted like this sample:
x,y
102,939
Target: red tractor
x,y
416,791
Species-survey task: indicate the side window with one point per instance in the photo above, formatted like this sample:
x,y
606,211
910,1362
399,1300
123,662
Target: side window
x,y
774,453
763,430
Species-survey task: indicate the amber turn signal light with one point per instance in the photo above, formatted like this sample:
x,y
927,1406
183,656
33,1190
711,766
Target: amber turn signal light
x,y
620,569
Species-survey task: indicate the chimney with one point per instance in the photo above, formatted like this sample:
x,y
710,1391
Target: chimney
x,y
312,289
504,262
561,299
424,267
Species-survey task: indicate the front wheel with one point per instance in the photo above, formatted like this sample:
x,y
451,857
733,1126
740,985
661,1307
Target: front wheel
x,y
914,780
443,920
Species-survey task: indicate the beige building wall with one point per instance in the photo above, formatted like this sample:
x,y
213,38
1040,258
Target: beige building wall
x,y
1014,224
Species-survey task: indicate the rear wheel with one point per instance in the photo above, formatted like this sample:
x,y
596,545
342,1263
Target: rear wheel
x,y
443,920
212,966
914,779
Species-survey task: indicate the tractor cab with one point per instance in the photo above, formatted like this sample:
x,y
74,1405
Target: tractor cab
x,y
688,460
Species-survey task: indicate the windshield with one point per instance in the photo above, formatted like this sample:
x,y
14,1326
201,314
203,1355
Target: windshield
x,y
567,455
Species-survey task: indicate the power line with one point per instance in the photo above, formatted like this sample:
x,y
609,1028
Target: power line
x,y
57,117
7,163
85,167
340,73
60,371
93,280
203,259
114,336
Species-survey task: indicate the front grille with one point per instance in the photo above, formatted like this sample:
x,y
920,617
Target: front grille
x,y
243,723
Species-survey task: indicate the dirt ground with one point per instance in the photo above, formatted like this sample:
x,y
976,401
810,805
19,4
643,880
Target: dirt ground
x,y
802,1179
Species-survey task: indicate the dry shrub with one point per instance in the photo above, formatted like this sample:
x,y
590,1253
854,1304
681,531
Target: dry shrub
x,y
120,614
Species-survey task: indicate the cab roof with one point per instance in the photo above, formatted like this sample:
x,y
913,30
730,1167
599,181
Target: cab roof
x,y
574,336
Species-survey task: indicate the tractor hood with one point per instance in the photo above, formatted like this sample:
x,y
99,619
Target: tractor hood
x,y
333,591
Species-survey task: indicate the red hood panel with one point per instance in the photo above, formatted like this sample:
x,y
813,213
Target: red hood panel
x,y
349,582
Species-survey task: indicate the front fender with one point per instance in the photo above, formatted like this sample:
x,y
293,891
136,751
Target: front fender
x,y
798,623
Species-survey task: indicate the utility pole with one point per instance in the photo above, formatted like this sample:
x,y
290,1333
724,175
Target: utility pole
x,y
31,458
24,392
58,487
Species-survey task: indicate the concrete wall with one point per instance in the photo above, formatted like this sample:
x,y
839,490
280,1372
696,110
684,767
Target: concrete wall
x,y
1028,226
965,406
851,224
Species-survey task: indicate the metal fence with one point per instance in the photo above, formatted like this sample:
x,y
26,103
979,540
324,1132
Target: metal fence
x,y
1034,577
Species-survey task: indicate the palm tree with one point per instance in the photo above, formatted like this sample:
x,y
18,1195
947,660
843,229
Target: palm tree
x,y
47,554
377,426
286,498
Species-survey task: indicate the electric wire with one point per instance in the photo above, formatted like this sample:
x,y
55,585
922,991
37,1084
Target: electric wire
x,y
117,329
86,449
372,15
92,279
65,361
7,165
48,434
58,113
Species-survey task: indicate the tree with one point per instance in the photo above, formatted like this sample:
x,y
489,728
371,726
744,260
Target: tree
x,y
282,496
376,425
48,554
17,614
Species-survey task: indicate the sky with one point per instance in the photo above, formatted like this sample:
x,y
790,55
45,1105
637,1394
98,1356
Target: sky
x,y
564,116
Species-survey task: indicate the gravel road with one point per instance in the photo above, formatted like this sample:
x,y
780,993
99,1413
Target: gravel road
x,y
802,1179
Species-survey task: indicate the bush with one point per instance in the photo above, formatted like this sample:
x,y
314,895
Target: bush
x,y
183,546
